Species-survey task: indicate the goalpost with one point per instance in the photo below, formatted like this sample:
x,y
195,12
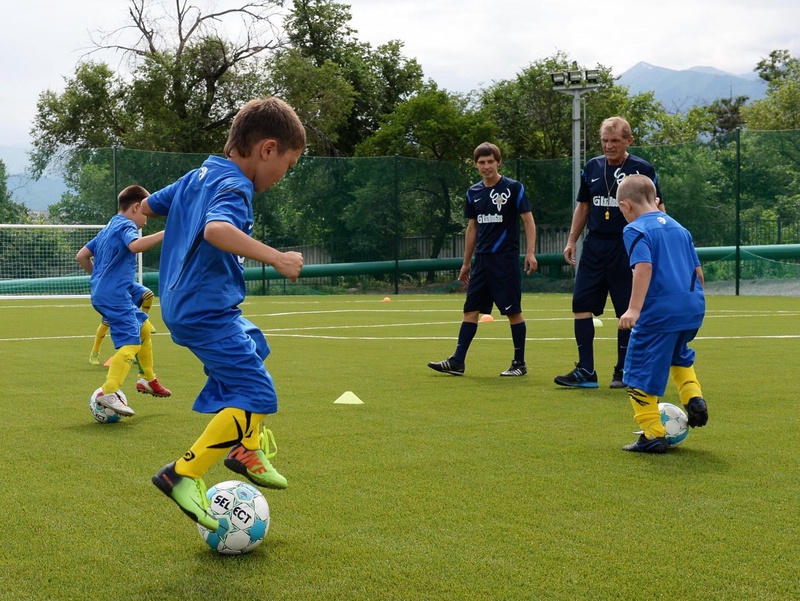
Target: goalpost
x,y
38,261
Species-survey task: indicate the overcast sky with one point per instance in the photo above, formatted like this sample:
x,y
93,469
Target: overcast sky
x,y
461,44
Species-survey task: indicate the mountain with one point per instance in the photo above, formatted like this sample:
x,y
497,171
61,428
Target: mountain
x,y
36,195
679,91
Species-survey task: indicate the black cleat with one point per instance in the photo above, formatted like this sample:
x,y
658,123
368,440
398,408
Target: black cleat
x,y
518,368
697,412
647,445
448,366
616,379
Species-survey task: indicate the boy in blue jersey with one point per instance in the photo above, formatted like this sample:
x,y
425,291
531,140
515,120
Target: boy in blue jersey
x,y
603,269
209,215
110,259
142,297
665,311
493,208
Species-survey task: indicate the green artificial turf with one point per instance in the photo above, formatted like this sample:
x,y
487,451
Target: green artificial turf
x,y
436,487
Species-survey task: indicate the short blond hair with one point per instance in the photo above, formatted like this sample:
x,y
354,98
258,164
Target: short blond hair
x,y
637,188
617,124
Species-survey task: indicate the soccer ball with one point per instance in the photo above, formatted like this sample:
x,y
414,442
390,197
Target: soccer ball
x,y
103,414
243,515
675,423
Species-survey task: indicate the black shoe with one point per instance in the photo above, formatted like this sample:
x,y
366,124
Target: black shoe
x,y
578,378
518,368
448,366
616,379
645,445
697,412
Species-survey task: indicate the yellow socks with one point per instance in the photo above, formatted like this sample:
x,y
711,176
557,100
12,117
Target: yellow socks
x,y
145,356
686,381
120,366
147,301
102,331
226,429
646,413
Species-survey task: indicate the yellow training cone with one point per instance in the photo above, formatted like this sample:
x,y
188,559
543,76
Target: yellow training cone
x,y
348,398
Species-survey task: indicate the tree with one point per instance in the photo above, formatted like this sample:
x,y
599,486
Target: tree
x,y
10,211
781,108
434,125
780,65
379,78
185,86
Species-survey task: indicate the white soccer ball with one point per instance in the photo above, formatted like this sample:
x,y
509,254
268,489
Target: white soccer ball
x,y
675,423
103,414
243,515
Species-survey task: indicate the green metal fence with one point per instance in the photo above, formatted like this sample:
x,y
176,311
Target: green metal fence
x,y
740,190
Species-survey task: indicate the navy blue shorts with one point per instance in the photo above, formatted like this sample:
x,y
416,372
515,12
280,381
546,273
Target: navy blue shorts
x,y
604,269
651,354
495,278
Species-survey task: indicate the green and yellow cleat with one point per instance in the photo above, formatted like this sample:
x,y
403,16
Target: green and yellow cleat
x,y
188,493
255,465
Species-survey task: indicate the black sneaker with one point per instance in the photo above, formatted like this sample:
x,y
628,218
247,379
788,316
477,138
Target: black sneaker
x,y
518,368
448,366
578,378
697,412
645,445
616,379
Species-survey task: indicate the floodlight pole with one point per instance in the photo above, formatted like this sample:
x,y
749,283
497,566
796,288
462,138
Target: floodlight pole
x,y
577,84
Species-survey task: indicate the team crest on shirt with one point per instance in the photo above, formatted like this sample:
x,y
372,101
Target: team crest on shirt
x,y
499,199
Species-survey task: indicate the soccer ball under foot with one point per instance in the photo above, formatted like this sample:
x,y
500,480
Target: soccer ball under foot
x,y
104,415
243,515
675,423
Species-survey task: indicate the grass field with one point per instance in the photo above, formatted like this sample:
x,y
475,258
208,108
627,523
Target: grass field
x,y
436,487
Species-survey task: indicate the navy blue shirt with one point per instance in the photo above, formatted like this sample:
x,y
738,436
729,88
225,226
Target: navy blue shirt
x,y
497,210
599,182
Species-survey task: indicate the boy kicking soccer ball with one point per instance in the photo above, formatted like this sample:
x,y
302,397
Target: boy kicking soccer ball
x,y
666,309
209,215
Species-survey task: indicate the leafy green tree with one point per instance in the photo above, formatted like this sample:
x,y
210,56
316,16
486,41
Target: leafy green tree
x,y
10,211
422,197
184,88
726,115
379,78
781,108
320,95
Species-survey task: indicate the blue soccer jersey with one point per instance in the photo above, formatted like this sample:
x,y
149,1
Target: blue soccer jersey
x,y
201,286
598,186
496,210
114,268
675,301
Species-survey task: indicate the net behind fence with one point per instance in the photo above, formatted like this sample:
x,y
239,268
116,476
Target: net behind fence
x,y
741,189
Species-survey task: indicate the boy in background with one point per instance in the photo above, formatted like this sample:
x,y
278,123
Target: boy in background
x,y
142,297
209,215
110,259
666,309
493,208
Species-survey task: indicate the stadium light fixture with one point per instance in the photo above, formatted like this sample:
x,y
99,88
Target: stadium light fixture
x,y
575,77
577,83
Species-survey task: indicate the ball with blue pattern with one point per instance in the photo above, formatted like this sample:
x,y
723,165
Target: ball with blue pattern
x,y
675,423
243,515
